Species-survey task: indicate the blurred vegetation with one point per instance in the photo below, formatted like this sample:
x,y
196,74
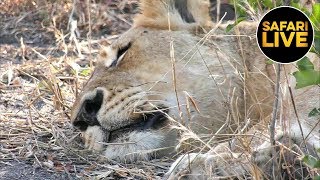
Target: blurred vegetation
x,y
307,74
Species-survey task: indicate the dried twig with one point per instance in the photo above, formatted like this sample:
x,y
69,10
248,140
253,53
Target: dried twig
x,y
275,166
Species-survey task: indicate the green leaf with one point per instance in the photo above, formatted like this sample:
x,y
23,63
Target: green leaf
x,y
316,43
317,34
295,4
305,64
311,161
230,26
314,112
269,62
268,3
316,11
315,16
241,11
306,78
278,3
85,72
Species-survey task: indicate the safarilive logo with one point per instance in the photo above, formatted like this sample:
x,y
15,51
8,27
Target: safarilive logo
x,y
285,34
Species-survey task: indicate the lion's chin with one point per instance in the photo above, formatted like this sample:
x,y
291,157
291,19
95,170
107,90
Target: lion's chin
x,y
135,146
139,141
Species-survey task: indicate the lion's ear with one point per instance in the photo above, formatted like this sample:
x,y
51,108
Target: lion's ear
x,y
173,14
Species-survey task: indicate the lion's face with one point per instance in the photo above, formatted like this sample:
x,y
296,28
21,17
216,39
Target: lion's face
x,y
121,102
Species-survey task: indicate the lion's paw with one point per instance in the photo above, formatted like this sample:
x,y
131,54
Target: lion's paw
x,y
93,137
288,152
207,166
188,166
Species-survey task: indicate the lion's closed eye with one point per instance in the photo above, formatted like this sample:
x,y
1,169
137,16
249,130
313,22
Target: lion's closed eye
x,y
112,56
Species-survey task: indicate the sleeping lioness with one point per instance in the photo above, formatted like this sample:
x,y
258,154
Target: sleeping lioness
x,y
176,73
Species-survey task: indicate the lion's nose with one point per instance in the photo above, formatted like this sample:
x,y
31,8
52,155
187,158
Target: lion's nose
x,y
87,115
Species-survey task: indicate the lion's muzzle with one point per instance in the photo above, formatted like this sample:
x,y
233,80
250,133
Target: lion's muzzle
x,y
87,115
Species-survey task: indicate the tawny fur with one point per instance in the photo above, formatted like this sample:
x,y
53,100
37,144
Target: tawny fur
x,y
221,82
161,14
